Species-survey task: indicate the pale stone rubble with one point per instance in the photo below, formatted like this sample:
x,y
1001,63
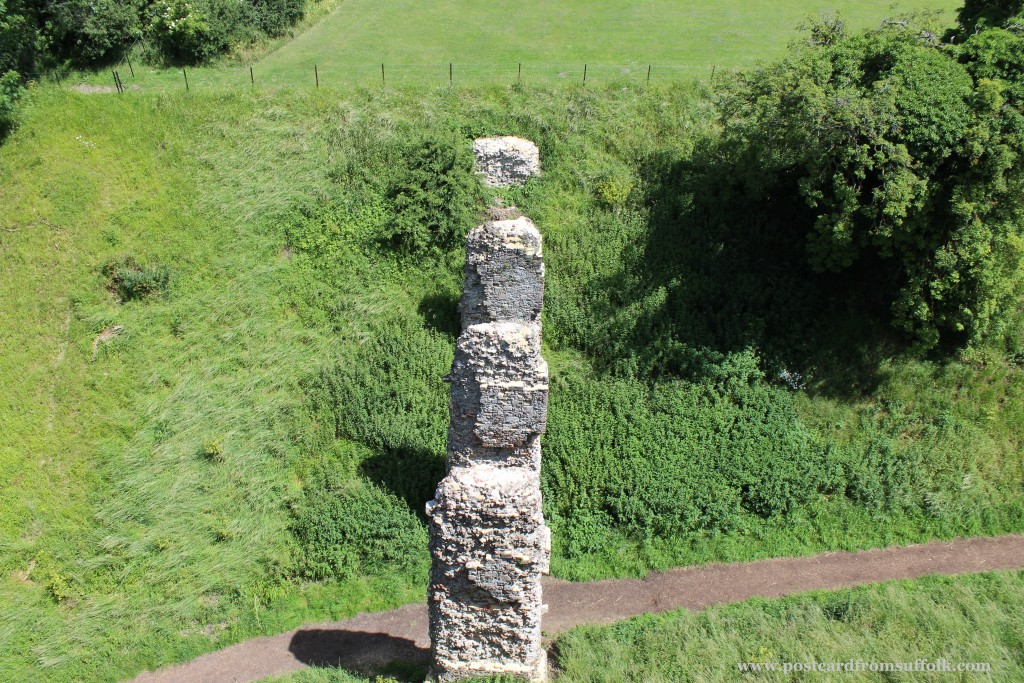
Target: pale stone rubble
x,y
506,160
488,540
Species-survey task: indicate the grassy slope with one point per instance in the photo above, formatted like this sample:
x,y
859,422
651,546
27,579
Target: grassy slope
x,y
120,538
971,619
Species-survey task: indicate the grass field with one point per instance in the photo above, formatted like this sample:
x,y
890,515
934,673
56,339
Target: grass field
x,y
486,42
964,620
117,536
618,39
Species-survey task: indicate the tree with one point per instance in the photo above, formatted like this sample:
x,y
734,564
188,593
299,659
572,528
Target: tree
x,y
18,36
978,14
92,31
910,165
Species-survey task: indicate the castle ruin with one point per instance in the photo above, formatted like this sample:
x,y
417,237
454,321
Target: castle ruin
x,y
488,541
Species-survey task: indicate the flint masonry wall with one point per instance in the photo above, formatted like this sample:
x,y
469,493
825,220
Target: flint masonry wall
x,y
488,542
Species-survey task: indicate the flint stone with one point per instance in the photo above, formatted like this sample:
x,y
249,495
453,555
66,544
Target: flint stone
x,y
489,546
506,161
504,277
499,384
464,451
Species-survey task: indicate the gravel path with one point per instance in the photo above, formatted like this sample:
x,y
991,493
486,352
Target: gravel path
x,y
367,642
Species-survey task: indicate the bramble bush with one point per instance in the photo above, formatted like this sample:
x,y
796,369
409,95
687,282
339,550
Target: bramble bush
x,y
435,195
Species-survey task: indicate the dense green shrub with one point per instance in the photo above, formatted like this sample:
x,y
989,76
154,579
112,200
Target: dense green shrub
x,y
198,30
190,31
37,35
435,195
10,90
676,457
129,280
18,36
389,396
976,14
92,31
907,165
345,525
995,58
274,17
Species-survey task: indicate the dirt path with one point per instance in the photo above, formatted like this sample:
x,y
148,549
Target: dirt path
x,y
369,641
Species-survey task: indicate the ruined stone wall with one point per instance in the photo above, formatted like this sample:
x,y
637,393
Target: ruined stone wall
x,y
506,160
488,542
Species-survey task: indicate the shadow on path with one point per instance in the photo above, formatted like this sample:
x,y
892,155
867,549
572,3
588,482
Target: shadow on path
x,y
357,651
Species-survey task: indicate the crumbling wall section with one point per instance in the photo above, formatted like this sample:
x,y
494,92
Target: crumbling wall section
x,y
488,541
506,160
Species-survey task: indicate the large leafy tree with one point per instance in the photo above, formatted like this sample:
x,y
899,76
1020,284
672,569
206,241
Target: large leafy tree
x,y
92,31
908,161
18,36
977,14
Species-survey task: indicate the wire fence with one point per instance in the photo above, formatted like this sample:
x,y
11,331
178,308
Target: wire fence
x,y
127,77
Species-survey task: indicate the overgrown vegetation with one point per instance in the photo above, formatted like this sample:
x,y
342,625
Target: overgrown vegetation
x,y
345,525
435,196
256,448
907,164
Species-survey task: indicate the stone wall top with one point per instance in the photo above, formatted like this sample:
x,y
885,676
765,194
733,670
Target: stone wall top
x,y
504,278
506,160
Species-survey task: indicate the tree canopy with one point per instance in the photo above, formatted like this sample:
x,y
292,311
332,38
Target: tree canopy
x,y
907,151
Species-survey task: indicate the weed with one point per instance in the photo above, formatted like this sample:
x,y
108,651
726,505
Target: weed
x,y
128,280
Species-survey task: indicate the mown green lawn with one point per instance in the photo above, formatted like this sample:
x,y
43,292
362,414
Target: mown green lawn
x,y
617,39
485,42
